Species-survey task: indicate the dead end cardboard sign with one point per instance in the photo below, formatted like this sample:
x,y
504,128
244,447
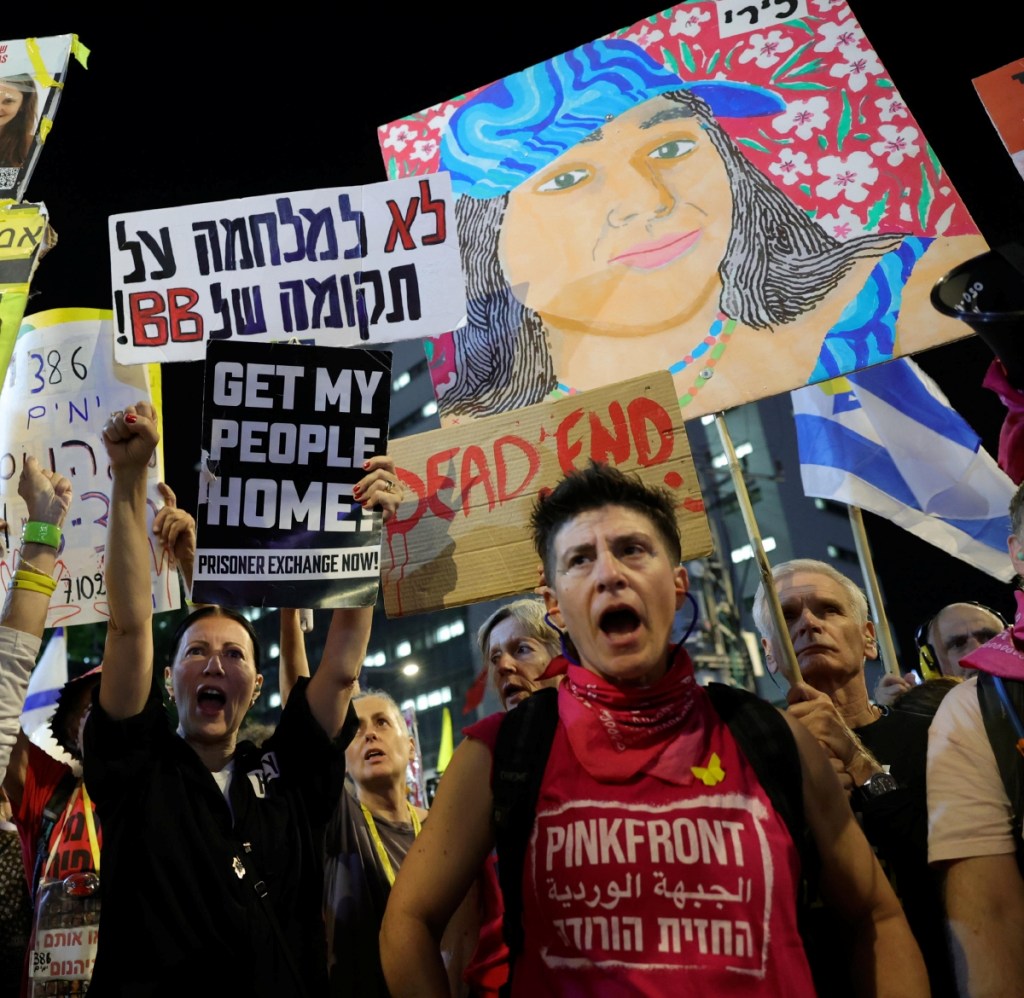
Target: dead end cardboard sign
x,y
462,532
286,429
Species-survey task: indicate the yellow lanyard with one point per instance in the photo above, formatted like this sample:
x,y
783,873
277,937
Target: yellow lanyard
x,y
389,870
90,827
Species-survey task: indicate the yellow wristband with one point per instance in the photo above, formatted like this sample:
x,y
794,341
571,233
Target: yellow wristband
x,y
33,576
39,578
32,587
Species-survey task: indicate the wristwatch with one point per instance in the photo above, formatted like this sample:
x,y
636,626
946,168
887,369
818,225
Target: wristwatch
x,y
877,785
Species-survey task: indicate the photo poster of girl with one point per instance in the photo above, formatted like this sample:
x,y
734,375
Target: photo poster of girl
x,y
752,211
32,74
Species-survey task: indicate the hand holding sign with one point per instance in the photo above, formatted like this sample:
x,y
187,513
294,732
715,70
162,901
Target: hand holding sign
x,y
380,488
176,529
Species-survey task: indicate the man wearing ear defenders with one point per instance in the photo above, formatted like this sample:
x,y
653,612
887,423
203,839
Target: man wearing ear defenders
x,y
942,641
952,634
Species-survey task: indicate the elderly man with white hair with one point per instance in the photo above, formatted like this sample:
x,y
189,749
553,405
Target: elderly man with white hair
x,y
878,752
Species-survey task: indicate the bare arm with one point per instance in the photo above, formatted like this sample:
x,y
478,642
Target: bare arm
x,y
293,662
436,875
48,498
985,914
458,944
130,439
887,961
335,680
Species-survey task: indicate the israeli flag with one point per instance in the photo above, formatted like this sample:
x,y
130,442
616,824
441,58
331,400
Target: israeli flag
x,y
44,685
887,440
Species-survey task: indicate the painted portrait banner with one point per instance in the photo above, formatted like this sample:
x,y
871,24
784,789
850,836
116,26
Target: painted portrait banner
x,y
286,429
25,236
734,192
61,385
462,531
340,267
32,76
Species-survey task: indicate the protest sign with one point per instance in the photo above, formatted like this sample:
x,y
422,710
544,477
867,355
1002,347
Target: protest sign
x,y
735,193
1002,93
61,386
32,78
344,266
286,429
462,531
25,236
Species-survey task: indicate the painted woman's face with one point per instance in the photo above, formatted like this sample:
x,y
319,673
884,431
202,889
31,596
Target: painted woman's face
x,y
10,103
623,234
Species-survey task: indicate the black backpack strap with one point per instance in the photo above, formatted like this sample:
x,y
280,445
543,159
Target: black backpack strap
x,y
51,815
764,738
520,756
1002,735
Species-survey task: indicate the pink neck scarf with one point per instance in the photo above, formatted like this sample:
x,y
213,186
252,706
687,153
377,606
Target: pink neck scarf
x,y
1004,654
617,732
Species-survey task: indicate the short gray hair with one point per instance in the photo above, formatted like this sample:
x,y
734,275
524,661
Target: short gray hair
x,y
762,613
531,613
382,695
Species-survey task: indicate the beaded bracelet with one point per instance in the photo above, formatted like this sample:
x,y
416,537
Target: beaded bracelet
x,y
37,532
44,582
24,563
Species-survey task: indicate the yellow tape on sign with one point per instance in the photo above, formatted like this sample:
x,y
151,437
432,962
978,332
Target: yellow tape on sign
x,y
80,51
39,70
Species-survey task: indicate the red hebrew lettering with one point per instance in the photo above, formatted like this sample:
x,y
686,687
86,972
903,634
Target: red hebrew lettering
x,y
180,302
644,412
404,524
478,475
568,452
146,313
435,208
501,465
437,482
613,441
400,225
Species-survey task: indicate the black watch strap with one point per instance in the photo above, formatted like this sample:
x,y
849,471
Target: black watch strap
x,y
877,785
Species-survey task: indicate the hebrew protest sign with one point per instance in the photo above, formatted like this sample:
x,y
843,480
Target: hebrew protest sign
x,y
462,531
286,429
25,236
734,192
32,77
61,385
344,266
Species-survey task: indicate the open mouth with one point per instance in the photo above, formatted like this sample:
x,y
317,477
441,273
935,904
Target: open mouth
x,y
619,622
374,753
513,694
210,699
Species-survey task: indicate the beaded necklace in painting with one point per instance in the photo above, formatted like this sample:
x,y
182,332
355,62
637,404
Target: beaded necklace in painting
x,y
713,345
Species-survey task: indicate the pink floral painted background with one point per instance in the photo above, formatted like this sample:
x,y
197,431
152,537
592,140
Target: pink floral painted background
x,y
847,148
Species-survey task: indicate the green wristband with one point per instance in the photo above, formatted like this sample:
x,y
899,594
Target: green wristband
x,y
36,532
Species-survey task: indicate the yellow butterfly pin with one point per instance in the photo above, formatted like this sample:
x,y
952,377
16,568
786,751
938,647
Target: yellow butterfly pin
x,y
712,773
